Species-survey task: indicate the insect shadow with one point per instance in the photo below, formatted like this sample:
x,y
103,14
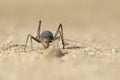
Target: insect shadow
x,y
74,47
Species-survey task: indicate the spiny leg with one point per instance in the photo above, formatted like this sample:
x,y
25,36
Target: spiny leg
x,y
60,30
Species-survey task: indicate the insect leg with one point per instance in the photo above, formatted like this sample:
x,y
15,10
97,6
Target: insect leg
x,y
60,30
31,37
38,31
57,31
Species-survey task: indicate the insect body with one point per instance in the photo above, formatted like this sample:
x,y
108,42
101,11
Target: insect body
x,y
46,37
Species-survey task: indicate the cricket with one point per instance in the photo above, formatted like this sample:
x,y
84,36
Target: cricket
x,y
46,37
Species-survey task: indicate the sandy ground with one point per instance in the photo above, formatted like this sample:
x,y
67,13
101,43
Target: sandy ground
x,y
91,28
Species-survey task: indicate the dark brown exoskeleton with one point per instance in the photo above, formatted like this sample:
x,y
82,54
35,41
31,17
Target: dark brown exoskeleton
x,y
46,37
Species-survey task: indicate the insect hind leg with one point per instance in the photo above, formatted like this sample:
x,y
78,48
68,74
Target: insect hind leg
x,y
31,37
39,30
60,30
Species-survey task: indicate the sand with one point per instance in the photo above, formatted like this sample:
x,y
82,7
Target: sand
x,y
91,30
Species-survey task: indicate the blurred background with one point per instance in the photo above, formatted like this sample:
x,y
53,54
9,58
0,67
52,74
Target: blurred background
x,y
93,22
90,20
